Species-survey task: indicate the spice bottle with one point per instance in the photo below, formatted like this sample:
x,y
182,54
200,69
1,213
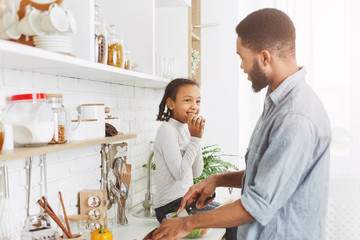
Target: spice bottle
x,y
55,100
115,48
100,44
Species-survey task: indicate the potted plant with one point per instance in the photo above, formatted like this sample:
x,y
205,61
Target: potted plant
x,y
213,163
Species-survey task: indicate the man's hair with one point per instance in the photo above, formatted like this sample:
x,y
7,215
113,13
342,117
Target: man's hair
x,y
268,28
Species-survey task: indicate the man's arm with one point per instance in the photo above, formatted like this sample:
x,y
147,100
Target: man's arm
x,y
206,187
230,215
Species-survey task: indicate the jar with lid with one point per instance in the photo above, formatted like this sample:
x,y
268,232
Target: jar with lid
x,y
2,135
128,60
79,225
31,118
115,48
55,101
100,44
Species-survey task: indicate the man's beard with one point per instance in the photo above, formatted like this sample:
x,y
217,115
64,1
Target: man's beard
x,y
258,78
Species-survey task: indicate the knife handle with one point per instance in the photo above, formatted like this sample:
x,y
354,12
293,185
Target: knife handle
x,y
192,205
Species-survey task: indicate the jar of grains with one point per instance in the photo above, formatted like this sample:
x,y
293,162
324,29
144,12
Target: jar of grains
x,y
115,48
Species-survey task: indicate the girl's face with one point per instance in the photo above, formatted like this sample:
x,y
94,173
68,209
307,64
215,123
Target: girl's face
x,y
187,101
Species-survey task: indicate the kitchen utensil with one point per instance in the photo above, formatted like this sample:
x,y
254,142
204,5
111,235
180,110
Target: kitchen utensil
x,y
124,190
125,178
8,213
65,215
188,208
37,226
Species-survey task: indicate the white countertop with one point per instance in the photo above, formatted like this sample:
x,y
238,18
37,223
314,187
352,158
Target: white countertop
x,y
138,228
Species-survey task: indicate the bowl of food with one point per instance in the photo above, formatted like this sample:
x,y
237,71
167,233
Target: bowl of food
x,y
196,233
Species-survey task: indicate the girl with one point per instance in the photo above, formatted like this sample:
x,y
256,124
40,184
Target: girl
x,y
177,148
177,145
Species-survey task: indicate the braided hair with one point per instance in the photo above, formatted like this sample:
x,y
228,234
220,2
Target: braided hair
x,y
170,92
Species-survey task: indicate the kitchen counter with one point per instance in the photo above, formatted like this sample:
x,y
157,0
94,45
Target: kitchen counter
x,y
138,227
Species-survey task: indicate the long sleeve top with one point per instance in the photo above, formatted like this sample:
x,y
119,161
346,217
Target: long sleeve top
x,y
178,161
285,187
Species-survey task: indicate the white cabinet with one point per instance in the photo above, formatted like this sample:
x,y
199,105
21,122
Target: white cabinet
x,y
136,22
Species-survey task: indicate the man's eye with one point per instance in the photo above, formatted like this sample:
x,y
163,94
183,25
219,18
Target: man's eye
x,y
198,101
187,100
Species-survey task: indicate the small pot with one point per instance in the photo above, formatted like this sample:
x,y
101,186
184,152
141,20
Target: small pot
x,y
75,237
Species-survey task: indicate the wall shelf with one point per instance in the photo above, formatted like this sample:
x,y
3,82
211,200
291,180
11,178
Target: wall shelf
x,y
173,3
26,58
50,148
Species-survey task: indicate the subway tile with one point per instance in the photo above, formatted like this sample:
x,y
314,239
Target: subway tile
x,y
68,84
45,81
19,79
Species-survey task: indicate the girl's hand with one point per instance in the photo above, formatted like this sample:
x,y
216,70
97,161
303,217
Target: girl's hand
x,y
196,124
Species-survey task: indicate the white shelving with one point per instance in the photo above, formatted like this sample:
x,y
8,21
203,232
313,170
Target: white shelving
x,y
18,56
173,3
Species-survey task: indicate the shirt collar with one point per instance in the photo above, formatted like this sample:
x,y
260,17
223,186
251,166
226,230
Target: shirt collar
x,y
176,123
285,87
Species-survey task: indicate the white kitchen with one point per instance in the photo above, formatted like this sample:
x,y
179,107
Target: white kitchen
x,y
59,57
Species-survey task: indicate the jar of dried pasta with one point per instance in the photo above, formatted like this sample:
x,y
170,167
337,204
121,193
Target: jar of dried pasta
x,y
115,48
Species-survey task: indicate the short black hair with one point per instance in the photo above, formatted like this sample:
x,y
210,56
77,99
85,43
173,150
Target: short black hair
x,y
268,28
170,92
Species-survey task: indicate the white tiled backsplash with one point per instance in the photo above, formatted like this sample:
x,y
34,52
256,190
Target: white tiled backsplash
x,y
74,170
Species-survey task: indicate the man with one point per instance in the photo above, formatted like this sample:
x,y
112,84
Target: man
x,y
285,186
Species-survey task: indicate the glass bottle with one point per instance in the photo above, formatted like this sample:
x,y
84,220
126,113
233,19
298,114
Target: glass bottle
x,y
2,136
55,101
128,60
100,44
115,48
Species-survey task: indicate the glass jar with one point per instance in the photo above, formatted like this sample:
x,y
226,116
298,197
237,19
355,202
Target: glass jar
x,y
31,118
128,60
100,44
60,128
2,136
79,225
115,48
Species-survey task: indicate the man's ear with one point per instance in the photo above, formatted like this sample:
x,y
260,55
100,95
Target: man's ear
x,y
265,57
170,103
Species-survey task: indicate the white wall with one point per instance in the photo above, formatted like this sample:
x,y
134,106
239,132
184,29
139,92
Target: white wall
x,y
75,170
219,80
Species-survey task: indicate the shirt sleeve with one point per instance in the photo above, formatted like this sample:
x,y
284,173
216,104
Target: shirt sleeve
x,y
198,164
285,162
178,165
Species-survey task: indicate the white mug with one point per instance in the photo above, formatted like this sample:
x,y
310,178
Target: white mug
x,y
55,20
12,32
9,15
30,24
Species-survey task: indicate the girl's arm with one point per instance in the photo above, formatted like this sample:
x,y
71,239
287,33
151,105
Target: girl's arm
x,y
178,165
198,164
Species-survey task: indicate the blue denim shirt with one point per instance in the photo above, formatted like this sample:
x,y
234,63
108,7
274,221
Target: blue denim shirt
x,y
285,187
